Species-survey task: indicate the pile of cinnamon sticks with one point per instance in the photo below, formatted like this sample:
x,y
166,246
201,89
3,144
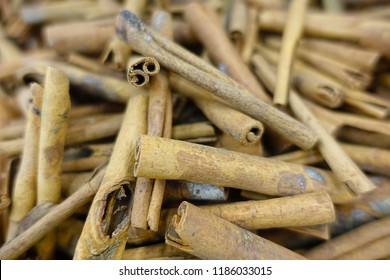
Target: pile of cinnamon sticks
x,y
242,129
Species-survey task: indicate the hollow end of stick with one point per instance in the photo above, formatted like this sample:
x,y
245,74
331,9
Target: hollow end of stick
x,y
171,235
331,94
252,135
151,66
138,78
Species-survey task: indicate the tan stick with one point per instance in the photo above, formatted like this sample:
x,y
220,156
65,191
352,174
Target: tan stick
x,y
117,53
53,219
344,168
54,119
209,237
360,59
54,124
144,213
205,26
237,23
351,240
223,168
151,252
193,130
86,37
293,211
244,129
291,34
131,29
24,191
251,35
105,230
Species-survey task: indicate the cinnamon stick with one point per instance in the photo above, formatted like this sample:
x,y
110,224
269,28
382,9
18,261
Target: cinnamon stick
x,y
131,29
104,233
195,231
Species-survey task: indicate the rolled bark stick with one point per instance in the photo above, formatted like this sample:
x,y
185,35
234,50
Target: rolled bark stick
x,y
54,123
85,37
342,165
117,53
25,188
375,250
21,243
293,211
244,129
148,42
351,240
291,34
361,59
237,23
223,168
193,130
205,26
152,251
105,230
251,35
140,68
207,236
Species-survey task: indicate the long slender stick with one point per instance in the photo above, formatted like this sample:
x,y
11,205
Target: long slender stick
x,y
53,219
342,165
145,40
105,230
24,191
291,35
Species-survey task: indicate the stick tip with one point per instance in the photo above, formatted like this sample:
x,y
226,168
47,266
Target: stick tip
x,y
127,21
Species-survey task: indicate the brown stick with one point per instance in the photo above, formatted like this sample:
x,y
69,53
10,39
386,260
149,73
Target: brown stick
x,y
139,70
105,230
198,232
152,251
148,42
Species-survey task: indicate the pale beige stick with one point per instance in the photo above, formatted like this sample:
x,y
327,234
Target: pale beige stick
x,y
40,13
117,53
244,129
87,63
152,251
317,231
342,165
193,130
291,34
21,243
224,168
207,236
362,107
105,230
251,36
363,137
84,164
54,124
237,23
333,6
145,214
24,190
8,111
351,240
82,36
177,59
360,59
375,250
10,148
